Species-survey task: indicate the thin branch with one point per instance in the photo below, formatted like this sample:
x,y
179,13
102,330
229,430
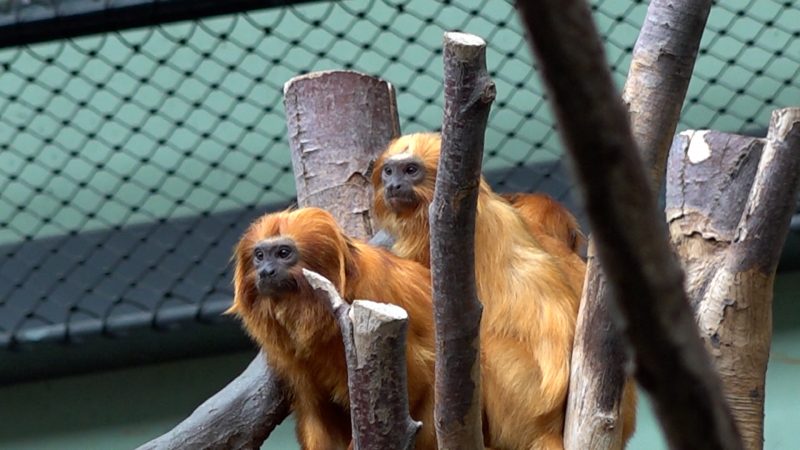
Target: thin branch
x,y
468,94
631,238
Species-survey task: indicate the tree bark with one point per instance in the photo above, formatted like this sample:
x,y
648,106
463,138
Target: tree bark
x,y
728,225
630,236
338,135
661,67
468,94
240,416
339,123
374,336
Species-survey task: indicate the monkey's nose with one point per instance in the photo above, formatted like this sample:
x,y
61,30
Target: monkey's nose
x,y
266,272
393,187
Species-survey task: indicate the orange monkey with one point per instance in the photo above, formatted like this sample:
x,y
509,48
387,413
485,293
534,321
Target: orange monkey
x,y
297,329
530,298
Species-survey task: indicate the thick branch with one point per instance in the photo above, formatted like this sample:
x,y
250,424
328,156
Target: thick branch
x,y
663,59
240,416
709,178
468,94
729,203
736,313
631,238
339,122
374,336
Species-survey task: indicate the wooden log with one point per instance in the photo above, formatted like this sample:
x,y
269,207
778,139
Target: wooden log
x,y
661,67
468,94
630,235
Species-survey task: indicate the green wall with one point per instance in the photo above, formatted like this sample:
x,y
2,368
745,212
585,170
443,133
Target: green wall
x,y
122,409
194,110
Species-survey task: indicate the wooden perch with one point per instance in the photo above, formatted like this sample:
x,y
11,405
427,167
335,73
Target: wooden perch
x,y
728,225
468,95
240,416
630,235
355,125
374,336
661,67
339,123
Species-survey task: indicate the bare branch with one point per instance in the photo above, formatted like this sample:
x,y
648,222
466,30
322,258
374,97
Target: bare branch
x,y
661,67
374,336
240,416
468,94
631,237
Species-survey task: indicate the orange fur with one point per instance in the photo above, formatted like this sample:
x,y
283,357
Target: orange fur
x,y
544,216
530,300
298,331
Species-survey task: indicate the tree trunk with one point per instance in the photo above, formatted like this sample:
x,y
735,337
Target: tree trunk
x,y
374,336
630,235
728,226
468,94
658,79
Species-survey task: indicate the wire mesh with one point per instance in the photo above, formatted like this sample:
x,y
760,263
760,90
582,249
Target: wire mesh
x,y
130,161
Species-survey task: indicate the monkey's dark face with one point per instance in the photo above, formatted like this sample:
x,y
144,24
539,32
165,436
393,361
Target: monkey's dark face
x,y
273,262
400,176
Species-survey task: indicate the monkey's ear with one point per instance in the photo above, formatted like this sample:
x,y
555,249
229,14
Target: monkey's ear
x,y
370,168
234,309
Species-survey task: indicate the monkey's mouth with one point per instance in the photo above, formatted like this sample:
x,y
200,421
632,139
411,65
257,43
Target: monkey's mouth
x,y
402,202
272,287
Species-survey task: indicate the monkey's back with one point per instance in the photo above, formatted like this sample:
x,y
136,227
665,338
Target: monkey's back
x,y
530,303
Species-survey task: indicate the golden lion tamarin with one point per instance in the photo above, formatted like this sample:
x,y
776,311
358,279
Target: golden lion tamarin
x,y
297,329
544,216
530,298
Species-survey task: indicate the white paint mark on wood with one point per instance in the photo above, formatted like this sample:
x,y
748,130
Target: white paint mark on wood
x,y
699,149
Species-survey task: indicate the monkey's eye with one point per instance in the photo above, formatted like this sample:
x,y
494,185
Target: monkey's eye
x,y
259,254
284,252
387,170
411,169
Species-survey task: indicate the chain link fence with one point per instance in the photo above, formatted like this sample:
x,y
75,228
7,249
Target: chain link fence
x,y
131,161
